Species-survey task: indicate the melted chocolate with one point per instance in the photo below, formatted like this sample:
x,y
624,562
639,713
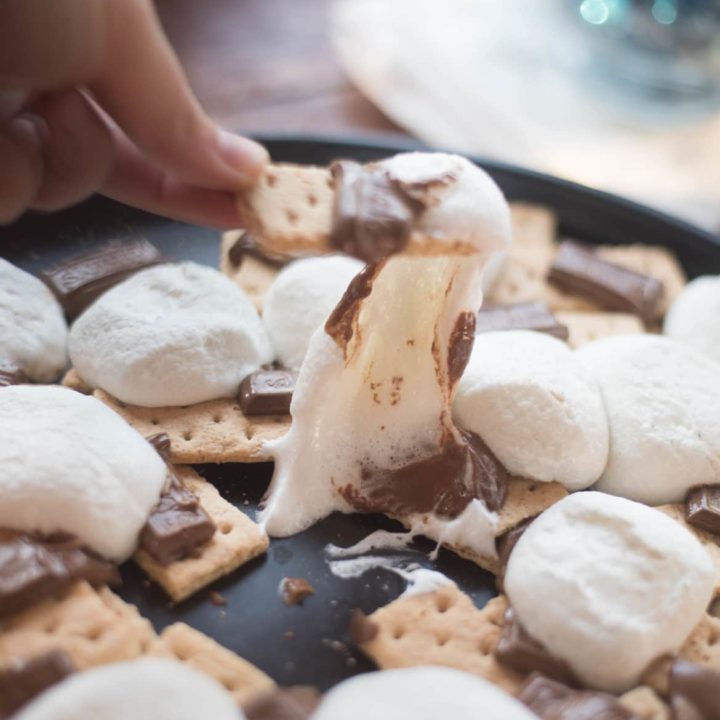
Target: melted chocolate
x,y
361,628
246,245
504,546
702,508
11,375
520,316
577,269
162,445
293,590
23,680
460,345
521,652
177,526
267,392
284,703
79,281
551,700
342,323
694,691
444,483
33,569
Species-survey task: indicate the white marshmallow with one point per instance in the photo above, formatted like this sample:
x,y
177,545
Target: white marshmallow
x,y
33,333
694,316
608,585
149,689
664,423
524,393
419,693
69,463
300,300
386,401
170,335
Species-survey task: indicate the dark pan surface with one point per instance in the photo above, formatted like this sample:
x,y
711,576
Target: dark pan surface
x,y
309,643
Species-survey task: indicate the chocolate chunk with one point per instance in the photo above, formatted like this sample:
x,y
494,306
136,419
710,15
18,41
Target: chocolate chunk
x,y
293,590
246,245
577,269
79,281
521,652
505,544
694,691
11,375
551,700
520,316
162,445
460,345
22,680
361,628
267,392
33,569
177,526
284,703
702,508
372,215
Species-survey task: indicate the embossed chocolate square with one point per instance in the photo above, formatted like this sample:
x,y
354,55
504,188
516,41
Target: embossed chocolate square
x,y
267,392
702,508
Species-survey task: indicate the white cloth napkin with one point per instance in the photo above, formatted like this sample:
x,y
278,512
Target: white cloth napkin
x,y
508,79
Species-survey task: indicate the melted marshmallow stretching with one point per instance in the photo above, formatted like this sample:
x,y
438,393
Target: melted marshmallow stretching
x,y
372,427
68,463
171,335
151,689
526,395
300,300
421,693
32,326
621,585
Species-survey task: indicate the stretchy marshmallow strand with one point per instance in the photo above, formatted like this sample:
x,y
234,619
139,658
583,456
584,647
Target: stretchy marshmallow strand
x,y
68,463
608,585
694,317
421,693
300,300
525,394
168,336
136,690
664,423
32,325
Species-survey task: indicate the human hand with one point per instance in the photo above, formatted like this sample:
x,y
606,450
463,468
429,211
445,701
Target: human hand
x,y
92,98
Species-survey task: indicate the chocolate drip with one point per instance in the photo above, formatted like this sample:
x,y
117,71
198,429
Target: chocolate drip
x,y
520,316
79,281
702,508
694,691
23,680
284,703
343,320
521,652
267,392
577,269
551,700
247,245
33,568
177,526
162,445
444,483
460,345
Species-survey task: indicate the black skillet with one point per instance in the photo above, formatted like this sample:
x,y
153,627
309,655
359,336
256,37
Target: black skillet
x,y
309,644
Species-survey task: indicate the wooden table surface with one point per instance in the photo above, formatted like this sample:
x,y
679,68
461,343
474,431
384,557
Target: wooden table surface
x,y
267,65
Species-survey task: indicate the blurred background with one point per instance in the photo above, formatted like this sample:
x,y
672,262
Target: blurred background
x,y
623,95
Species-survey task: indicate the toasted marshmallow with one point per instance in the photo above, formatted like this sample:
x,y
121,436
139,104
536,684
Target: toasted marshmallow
x,y
68,463
168,336
420,693
664,427
525,394
375,389
300,300
32,325
608,585
151,689
693,318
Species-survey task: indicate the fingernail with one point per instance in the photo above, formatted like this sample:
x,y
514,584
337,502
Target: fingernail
x,y
243,155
